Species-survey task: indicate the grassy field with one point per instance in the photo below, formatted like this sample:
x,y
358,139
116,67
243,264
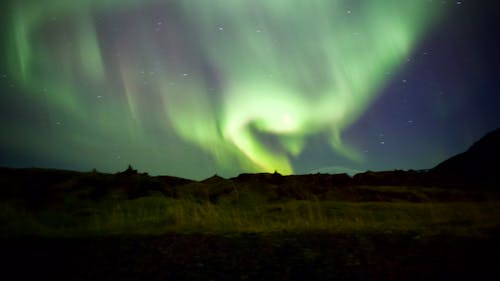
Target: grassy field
x,y
60,225
246,212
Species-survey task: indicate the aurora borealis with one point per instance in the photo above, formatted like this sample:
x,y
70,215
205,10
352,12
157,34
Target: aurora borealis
x,y
195,87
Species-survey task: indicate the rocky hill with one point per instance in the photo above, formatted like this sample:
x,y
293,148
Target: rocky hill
x,y
479,164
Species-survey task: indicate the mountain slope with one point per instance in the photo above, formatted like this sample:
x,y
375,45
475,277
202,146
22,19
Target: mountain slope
x,y
479,164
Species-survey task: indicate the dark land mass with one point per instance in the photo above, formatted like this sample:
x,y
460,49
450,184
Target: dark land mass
x,y
479,164
475,170
455,250
285,256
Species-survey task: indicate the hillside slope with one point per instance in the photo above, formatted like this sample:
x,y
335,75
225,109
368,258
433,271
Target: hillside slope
x,y
479,164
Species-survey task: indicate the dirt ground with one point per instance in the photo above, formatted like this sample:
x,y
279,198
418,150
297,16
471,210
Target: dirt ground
x,y
278,256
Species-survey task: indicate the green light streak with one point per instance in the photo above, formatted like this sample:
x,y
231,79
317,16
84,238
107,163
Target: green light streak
x,y
288,69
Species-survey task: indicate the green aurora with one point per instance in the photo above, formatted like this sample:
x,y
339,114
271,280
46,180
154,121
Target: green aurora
x,y
246,83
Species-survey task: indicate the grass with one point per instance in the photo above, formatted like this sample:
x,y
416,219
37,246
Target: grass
x,y
246,212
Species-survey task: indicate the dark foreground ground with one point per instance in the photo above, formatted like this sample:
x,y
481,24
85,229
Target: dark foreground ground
x,y
287,256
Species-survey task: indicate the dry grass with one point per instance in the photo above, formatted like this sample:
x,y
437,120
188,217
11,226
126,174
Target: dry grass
x,y
155,215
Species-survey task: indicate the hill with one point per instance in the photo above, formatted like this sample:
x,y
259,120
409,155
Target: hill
x,y
471,170
479,164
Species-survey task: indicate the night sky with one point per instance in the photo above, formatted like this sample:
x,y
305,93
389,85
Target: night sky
x,y
191,88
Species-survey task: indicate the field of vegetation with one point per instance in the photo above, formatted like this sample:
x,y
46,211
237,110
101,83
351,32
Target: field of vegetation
x,y
63,225
221,206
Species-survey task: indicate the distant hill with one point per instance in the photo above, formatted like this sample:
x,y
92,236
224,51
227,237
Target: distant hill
x,y
476,168
336,170
479,164
42,186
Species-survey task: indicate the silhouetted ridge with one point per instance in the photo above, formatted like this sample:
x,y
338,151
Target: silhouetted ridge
x,y
45,186
260,178
475,168
479,164
213,179
394,178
